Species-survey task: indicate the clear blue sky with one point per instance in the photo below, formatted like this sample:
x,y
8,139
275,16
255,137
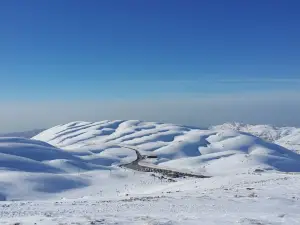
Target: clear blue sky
x,y
75,49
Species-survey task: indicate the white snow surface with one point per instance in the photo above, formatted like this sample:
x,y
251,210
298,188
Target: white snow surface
x,y
69,174
288,137
125,198
209,152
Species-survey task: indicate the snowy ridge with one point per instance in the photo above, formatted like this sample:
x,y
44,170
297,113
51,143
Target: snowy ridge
x,y
288,137
19,154
210,152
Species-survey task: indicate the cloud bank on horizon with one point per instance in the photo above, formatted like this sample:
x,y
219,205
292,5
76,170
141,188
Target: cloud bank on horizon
x,y
278,108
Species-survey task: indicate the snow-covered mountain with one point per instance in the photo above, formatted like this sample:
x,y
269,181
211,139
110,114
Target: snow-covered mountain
x,y
176,147
288,137
69,174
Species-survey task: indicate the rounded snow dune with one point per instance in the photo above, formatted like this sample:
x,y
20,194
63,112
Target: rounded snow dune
x,y
19,154
213,152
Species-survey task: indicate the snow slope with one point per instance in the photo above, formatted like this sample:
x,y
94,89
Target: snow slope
x,y
288,137
125,198
19,154
31,169
68,175
209,152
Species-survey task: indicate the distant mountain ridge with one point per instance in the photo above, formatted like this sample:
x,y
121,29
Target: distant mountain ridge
x,y
23,134
288,137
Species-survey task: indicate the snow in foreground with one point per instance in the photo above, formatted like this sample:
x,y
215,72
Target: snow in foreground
x,y
128,198
69,174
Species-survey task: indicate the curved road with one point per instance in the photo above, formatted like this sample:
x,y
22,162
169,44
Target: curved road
x,y
134,165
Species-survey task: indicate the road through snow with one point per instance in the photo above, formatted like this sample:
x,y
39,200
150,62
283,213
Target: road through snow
x,y
134,165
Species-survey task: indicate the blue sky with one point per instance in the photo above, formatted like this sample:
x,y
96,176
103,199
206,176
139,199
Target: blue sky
x,y
74,50
114,48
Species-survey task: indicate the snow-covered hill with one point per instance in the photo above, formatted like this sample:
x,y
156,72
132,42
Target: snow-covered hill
x,y
288,137
181,148
30,169
68,174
